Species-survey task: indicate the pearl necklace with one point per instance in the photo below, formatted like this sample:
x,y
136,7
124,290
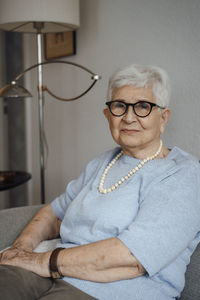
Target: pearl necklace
x,y
130,173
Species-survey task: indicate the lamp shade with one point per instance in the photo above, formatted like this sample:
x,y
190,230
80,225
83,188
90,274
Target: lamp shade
x,y
14,90
57,15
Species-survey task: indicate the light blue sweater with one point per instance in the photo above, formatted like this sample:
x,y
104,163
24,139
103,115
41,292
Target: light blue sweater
x,y
155,213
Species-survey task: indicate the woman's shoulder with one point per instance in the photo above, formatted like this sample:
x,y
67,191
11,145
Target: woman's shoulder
x,y
180,156
108,154
104,157
183,161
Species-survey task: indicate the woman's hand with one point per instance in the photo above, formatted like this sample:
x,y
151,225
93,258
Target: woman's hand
x,y
34,262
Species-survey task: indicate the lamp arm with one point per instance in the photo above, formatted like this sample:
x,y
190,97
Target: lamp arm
x,y
53,62
44,88
94,77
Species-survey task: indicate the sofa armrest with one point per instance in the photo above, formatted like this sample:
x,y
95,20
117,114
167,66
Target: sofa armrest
x,y
12,222
192,284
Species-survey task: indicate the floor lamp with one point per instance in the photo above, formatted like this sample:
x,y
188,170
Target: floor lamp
x,y
36,16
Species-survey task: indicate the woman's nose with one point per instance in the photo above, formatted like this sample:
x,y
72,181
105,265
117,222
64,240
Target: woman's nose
x,y
129,116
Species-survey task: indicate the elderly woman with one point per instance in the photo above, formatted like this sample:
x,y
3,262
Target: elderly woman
x,y
129,223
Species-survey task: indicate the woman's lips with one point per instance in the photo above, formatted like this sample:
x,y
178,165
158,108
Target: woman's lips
x,y
129,131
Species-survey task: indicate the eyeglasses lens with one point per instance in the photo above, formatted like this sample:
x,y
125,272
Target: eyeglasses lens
x,y
118,108
142,109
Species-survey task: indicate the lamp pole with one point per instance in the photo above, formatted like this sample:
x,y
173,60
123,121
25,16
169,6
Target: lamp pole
x,y
38,26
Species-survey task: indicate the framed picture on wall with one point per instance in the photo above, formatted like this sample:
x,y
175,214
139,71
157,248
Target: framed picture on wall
x,y
60,44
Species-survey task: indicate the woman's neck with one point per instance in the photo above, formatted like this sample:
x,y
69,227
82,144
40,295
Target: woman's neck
x,y
144,152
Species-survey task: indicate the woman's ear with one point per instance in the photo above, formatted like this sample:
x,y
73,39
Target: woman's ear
x,y
106,113
165,115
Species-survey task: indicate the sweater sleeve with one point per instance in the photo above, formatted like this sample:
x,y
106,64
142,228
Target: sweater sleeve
x,y
167,220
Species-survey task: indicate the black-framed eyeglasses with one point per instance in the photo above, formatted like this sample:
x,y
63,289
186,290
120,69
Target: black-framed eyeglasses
x,y
141,108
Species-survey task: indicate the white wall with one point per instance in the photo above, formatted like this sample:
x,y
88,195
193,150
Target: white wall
x,y
115,33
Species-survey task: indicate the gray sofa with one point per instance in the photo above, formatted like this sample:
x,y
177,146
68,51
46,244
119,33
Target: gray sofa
x,y
13,220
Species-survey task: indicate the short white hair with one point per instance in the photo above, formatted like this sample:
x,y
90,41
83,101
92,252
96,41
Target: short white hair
x,y
142,76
